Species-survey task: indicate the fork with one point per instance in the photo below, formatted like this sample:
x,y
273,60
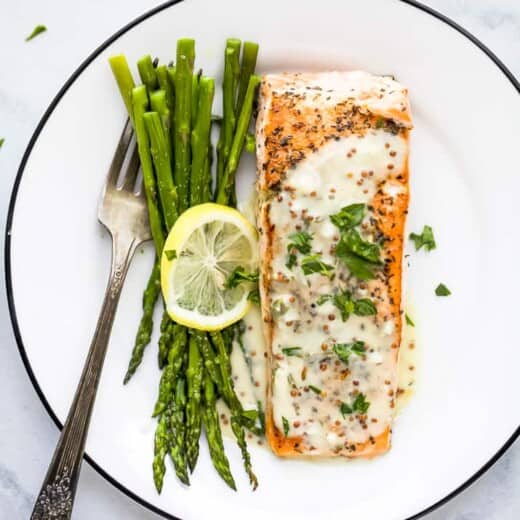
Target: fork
x,y
124,215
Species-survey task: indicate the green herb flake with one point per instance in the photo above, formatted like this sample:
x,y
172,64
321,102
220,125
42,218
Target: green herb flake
x,y
345,350
313,264
2,140
286,426
240,275
364,307
36,31
379,122
442,290
300,241
349,216
360,406
347,305
292,351
170,254
254,296
315,389
409,320
324,298
360,256
250,143
425,239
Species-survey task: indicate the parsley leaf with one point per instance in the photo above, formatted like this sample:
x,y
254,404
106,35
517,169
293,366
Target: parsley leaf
x,y
345,350
36,31
442,290
313,264
408,320
364,307
286,426
240,275
349,216
300,241
360,256
254,296
170,254
347,305
324,298
315,389
278,308
2,140
292,351
360,405
425,239
364,249
379,122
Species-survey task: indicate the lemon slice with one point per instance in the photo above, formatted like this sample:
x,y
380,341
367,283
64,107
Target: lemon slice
x,y
204,247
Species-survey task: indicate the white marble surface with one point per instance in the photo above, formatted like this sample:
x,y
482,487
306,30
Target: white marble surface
x,y
30,75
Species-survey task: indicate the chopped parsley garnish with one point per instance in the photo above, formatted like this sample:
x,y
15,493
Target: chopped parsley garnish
x,y
240,275
2,140
345,350
36,31
409,320
292,351
425,239
349,216
286,426
360,405
250,143
300,241
379,122
170,254
254,296
278,308
364,307
347,305
360,256
250,415
315,389
442,290
313,264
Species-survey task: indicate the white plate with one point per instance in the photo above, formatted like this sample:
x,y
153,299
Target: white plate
x,y
465,183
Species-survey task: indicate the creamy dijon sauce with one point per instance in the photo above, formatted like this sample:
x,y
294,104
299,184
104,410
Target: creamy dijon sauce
x,y
333,177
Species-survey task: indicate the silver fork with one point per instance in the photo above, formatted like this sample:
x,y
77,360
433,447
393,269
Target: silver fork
x,y
125,216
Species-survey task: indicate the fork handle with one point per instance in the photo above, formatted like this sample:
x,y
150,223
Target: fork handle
x,y
56,496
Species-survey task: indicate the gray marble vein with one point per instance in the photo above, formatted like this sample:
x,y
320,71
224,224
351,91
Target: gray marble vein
x,y
29,78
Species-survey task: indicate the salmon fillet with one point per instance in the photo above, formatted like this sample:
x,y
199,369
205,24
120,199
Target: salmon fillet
x,y
332,161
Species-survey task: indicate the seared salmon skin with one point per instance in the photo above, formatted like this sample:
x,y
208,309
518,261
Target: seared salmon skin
x,y
332,161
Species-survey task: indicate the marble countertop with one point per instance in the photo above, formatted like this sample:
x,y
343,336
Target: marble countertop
x,y
30,76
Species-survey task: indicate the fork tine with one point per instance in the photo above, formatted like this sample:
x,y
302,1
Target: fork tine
x,y
130,174
119,154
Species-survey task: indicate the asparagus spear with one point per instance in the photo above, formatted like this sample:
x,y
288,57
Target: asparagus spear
x,y
247,68
229,89
234,405
161,447
158,103
124,80
140,104
147,72
213,433
177,452
165,84
200,140
171,371
183,95
194,375
195,96
224,187
144,332
160,155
